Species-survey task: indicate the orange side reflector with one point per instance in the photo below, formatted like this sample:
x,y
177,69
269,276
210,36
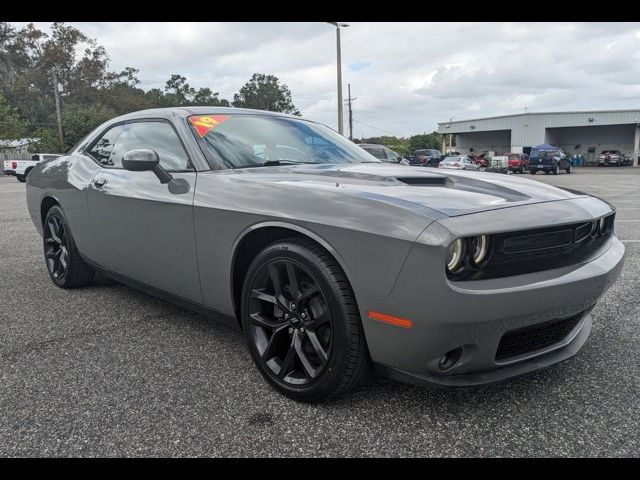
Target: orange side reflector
x,y
383,317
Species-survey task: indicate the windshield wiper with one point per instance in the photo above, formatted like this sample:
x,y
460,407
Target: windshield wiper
x,y
275,163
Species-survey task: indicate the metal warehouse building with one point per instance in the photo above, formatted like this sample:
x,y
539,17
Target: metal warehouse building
x,y
582,133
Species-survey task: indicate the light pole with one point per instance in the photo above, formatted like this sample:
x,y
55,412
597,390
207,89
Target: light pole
x,y
339,62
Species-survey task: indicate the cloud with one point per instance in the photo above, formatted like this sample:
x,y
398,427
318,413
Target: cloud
x,y
406,76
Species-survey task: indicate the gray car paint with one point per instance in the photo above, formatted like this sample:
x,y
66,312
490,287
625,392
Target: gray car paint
x,y
389,237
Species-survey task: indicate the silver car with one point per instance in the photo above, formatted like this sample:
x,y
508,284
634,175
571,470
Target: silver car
x,y
328,260
459,162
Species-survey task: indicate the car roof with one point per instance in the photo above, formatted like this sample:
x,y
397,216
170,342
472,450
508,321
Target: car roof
x,y
370,145
184,112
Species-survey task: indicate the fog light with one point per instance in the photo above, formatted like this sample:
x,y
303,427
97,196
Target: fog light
x,y
449,359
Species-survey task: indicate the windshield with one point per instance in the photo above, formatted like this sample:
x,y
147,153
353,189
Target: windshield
x,y
546,153
243,141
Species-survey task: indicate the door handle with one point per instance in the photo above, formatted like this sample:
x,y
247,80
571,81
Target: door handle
x,y
100,182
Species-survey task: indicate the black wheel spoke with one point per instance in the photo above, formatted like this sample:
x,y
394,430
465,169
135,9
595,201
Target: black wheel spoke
x,y
260,294
293,280
269,349
288,359
263,321
304,360
274,274
53,231
317,346
308,293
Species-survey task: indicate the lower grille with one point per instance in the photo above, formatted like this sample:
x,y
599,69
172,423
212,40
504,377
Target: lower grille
x,y
535,337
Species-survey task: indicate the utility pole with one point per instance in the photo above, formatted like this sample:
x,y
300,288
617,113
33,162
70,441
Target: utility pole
x,y
339,65
349,100
58,115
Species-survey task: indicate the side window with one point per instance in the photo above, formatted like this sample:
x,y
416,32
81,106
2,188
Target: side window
x,y
158,136
103,148
390,154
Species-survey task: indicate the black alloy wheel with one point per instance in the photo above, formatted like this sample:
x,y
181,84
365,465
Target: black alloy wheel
x,y
64,264
301,322
56,253
290,322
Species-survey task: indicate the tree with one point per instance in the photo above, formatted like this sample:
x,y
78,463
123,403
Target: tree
x,y
264,92
425,140
178,91
12,127
205,96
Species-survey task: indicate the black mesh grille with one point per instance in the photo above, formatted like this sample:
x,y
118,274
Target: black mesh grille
x,y
535,337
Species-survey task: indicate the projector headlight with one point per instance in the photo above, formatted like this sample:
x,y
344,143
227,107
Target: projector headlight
x,y
480,249
456,256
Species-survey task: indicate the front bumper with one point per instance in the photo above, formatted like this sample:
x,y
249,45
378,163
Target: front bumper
x,y
474,315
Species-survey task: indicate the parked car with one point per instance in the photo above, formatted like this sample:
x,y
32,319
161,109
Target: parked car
x,y
460,162
518,162
21,168
322,255
480,160
427,157
548,159
383,153
611,157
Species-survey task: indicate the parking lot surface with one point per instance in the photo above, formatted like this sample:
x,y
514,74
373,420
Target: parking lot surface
x,y
109,371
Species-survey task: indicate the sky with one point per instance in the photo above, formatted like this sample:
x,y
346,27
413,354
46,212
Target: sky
x,y
406,77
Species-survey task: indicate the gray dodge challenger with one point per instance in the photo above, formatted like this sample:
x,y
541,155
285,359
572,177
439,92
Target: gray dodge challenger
x,y
329,261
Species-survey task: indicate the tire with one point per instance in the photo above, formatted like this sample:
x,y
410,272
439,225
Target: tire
x,y
21,178
64,264
569,169
305,368
533,171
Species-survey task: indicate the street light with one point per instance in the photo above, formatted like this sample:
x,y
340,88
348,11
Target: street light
x,y
339,61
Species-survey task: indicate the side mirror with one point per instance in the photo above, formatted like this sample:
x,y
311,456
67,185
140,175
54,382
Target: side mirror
x,y
142,160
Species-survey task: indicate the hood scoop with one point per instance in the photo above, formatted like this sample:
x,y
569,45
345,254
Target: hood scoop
x,y
440,181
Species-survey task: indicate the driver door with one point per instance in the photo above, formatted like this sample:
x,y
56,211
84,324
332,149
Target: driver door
x,y
139,228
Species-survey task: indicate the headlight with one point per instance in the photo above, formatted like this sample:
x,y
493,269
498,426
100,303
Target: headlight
x,y
456,257
479,249
602,226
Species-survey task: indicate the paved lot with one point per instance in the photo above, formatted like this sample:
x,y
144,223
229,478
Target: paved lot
x,y
108,371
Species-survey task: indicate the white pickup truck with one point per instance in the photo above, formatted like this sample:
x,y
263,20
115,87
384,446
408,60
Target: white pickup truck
x,y
21,168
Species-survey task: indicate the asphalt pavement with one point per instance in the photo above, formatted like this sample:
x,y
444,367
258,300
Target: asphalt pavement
x,y
108,371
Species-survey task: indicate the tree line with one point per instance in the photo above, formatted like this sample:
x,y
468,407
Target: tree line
x,y
407,145
90,93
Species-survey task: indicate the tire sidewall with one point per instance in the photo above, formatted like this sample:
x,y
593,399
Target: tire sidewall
x,y
330,377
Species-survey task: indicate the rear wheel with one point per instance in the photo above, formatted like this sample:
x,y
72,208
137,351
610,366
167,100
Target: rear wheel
x,y
65,267
21,178
302,323
533,171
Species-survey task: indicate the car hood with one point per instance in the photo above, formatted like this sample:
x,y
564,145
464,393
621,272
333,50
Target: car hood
x,y
450,192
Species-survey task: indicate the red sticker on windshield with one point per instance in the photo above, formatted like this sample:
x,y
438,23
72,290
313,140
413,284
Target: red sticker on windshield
x,y
205,123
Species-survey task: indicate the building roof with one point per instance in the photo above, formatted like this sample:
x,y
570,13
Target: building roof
x,y
583,112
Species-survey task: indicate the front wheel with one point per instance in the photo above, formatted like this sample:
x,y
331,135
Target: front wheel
x,y
569,169
533,171
301,322
65,267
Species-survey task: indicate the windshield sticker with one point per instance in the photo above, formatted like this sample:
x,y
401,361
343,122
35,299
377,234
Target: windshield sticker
x,y
205,123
